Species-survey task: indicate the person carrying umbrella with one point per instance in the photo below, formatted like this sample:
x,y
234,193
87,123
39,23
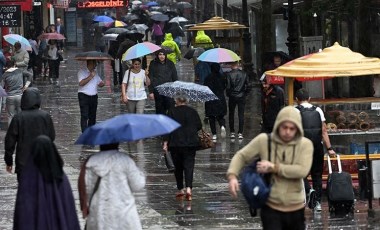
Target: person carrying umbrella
x,y
170,43
177,33
203,40
89,81
157,32
20,56
161,71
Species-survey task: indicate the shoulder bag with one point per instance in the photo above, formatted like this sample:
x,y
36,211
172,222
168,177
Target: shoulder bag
x,y
205,140
254,186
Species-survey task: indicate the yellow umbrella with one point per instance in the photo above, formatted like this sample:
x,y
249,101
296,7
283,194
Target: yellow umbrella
x,y
217,23
334,61
116,23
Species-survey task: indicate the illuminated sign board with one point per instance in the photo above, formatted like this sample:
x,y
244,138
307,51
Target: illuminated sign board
x,y
10,16
102,3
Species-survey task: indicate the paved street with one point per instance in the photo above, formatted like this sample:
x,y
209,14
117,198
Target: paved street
x,y
211,208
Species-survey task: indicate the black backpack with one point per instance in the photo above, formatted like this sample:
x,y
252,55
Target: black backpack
x,y
312,124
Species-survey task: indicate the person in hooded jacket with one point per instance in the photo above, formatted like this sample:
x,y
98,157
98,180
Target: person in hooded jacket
x,y
177,33
109,179
170,43
203,40
161,70
44,199
290,161
24,128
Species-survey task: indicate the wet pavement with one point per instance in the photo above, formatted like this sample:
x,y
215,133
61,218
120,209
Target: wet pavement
x,y
211,208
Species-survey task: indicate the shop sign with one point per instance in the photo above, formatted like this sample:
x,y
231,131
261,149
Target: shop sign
x,y
26,5
10,16
102,3
375,105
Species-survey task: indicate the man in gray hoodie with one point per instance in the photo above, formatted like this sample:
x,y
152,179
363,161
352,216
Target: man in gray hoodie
x,y
20,56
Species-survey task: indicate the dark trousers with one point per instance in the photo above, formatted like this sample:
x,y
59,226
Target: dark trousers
x,y
54,68
183,159
162,103
316,172
273,219
232,103
212,120
88,106
117,76
159,39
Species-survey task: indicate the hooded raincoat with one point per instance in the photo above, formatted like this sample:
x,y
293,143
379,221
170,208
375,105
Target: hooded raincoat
x,y
170,43
292,162
25,127
113,204
203,40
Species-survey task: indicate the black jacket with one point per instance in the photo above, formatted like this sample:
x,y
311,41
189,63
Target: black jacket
x,y
238,84
187,134
271,104
25,127
217,83
160,73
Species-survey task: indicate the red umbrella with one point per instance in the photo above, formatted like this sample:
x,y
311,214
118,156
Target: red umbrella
x,y
52,36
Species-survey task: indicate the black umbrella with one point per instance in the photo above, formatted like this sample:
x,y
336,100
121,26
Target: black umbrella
x,y
184,5
134,35
117,30
196,52
131,17
160,17
167,50
93,55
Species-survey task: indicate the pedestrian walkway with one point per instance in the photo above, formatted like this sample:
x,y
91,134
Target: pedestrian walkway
x,y
212,206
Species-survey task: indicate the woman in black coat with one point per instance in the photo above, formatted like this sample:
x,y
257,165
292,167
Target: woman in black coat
x,y
183,143
216,109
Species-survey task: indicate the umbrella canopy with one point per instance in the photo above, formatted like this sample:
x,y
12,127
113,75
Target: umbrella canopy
x,y
184,5
152,4
178,19
217,23
160,17
155,12
127,127
110,37
219,55
195,52
131,17
93,55
13,38
102,18
141,28
116,30
53,36
136,2
116,23
139,50
334,61
133,35
195,92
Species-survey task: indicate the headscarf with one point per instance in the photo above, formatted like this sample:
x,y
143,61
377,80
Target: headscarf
x,y
47,159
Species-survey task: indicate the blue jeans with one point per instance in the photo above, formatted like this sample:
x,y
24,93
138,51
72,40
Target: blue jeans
x,y
232,103
13,104
88,106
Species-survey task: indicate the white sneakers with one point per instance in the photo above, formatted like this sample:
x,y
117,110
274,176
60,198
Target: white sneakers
x,y
223,132
318,207
232,135
214,137
240,136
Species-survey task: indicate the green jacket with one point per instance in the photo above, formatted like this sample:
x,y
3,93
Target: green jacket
x,y
170,43
203,40
292,162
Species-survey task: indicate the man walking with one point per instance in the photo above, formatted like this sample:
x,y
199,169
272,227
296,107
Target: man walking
x,y
313,121
24,128
89,81
291,157
237,89
272,101
161,70
20,57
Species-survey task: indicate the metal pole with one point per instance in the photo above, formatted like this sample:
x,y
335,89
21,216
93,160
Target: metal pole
x,y
369,170
247,49
292,31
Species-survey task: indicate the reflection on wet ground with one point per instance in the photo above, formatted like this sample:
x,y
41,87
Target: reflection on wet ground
x,y
211,208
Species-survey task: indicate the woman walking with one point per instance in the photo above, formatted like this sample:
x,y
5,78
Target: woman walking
x,y
133,88
216,110
183,143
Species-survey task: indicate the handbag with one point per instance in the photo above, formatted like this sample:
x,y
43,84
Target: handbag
x,y
205,140
255,186
169,161
126,86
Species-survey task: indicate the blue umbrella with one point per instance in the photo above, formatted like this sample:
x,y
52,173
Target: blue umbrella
x,y
152,4
102,18
127,127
